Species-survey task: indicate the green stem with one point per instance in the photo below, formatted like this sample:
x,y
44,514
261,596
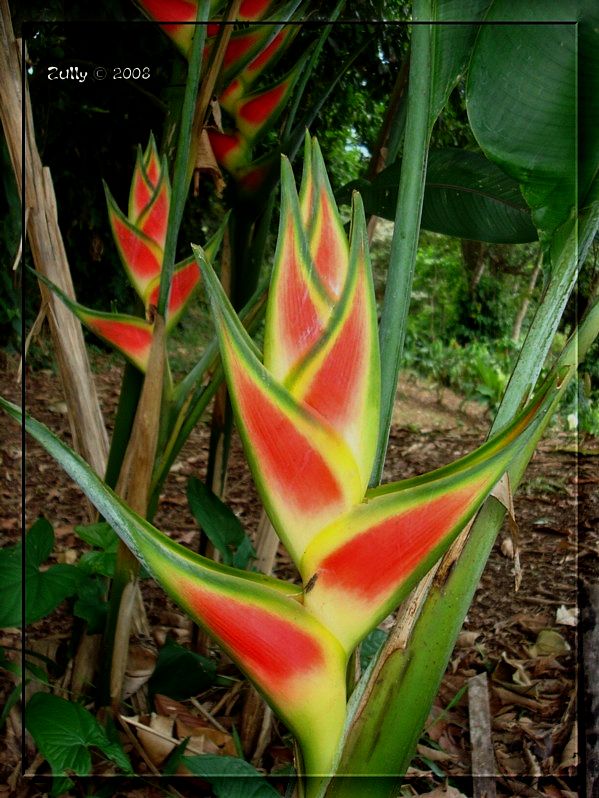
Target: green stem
x,y
404,245
181,170
128,398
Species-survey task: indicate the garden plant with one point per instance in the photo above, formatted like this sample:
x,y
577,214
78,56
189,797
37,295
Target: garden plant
x,y
305,364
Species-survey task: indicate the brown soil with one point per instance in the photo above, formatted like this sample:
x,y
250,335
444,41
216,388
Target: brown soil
x,y
531,688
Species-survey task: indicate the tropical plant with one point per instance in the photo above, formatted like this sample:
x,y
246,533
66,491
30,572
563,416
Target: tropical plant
x,y
314,407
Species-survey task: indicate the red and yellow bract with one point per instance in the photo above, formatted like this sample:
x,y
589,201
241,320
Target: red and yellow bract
x,y
140,238
308,416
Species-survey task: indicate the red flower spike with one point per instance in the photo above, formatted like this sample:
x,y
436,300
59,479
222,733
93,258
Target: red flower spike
x,y
294,662
141,189
304,470
171,12
256,113
253,10
153,220
298,310
152,164
292,659
131,335
229,97
340,376
366,562
266,58
253,178
140,255
243,46
269,54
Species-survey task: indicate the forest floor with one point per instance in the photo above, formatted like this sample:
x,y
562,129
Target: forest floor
x,y
525,641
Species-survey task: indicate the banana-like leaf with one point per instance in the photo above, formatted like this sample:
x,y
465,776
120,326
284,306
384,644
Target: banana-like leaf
x,y
292,659
465,195
340,376
361,567
534,142
304,470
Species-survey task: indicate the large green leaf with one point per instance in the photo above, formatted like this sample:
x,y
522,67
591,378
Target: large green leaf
x,y
451,46
465,196
521,100
588,98
64,732
45,590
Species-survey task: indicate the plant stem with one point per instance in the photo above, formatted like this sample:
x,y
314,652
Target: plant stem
x,y
181,170
404,245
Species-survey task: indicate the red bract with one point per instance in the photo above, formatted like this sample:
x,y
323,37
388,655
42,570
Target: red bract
x,y
140,238
308,416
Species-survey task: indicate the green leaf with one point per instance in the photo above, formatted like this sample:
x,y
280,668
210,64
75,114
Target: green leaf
x,y
465,196
588,99
45,590
10,585
100,535
64,732
230,777
451,46
220,524
521,100
181,673
91,604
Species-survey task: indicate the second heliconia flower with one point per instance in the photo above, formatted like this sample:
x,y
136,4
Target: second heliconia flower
x,y
140,237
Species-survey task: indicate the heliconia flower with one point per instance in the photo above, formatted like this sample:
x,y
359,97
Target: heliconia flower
x,y
140,237
308,416
251,179
176,17
256,113
293,660
243,81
